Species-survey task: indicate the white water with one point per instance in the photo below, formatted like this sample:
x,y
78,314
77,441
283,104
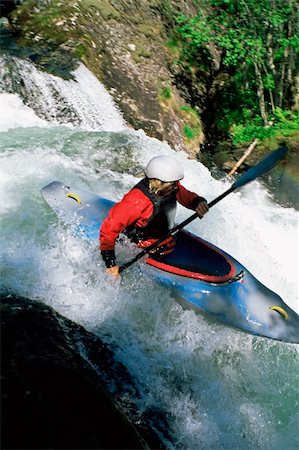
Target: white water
x,y
222,388
82,101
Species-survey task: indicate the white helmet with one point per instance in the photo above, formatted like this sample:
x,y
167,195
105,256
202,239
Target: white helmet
x,y
164,168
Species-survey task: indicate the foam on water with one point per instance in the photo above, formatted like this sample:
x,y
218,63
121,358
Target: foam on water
x,y
13,113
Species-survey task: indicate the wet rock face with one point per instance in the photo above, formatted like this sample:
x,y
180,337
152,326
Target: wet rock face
x,y
50,396
7,6
131,58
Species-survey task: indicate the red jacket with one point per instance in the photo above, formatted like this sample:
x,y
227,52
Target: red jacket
x,y
136,208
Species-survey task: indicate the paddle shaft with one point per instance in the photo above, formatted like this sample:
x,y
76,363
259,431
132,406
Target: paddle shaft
x,y
256,171
173,231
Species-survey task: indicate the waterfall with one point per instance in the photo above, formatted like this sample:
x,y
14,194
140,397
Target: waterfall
x,y
82,101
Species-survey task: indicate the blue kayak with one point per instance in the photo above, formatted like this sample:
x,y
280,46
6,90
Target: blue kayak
x,y
201,275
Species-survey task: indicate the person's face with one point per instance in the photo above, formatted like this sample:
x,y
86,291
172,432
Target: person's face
x,y
168,188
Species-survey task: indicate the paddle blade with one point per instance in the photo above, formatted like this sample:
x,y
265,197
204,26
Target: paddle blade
x,y
262,167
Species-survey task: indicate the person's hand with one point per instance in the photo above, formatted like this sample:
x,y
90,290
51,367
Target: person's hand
x,y
201,209
113,271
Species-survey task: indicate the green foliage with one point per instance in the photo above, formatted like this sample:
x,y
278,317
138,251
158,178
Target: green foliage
x,y
192,126
287,117
190,132
269,82
285,123
257,41
166,92
195,35
241,134
80,51
189,110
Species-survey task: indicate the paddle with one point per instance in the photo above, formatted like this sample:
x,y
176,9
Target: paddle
x,y
254,172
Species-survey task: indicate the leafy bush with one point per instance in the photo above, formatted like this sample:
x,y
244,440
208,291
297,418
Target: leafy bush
x,y
284,124
256,44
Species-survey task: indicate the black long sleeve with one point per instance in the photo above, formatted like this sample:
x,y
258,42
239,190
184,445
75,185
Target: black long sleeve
x,y
108,258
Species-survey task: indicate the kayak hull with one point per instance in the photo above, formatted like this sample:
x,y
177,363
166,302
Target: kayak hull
x,y
202,276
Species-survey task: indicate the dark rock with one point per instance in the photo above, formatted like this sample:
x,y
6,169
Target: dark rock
x,y
7,6
52,397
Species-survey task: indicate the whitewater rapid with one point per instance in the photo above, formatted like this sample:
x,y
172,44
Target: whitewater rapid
x,y
222,388
262,235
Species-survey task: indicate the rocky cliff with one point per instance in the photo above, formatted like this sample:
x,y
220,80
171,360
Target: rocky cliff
x,y
125,44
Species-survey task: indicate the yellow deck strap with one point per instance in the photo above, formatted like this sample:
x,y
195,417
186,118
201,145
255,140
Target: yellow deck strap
x,y
281,311
74,197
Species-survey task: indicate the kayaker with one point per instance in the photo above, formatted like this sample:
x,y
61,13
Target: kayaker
x,y
147,212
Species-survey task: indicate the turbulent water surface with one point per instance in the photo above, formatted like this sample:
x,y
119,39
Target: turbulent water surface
x,y
220,388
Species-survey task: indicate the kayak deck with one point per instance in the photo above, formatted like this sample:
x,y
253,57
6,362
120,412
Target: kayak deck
x,y
193,257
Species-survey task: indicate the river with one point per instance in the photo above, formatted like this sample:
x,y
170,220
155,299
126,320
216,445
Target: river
x,y
219,387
